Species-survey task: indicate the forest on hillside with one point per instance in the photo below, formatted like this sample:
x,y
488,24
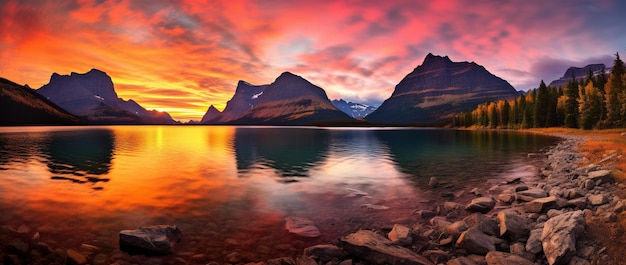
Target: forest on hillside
x,y
595,102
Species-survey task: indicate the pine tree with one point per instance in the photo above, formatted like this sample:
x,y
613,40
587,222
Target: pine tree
x,y
590,106
571,104
614,89
542,105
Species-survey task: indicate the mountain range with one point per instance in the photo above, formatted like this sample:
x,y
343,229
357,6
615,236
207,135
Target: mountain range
x,y
579,73
437,89
289,100
429,95
354,110
92,97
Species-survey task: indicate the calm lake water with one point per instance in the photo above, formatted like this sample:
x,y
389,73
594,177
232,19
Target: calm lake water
x,y
230,188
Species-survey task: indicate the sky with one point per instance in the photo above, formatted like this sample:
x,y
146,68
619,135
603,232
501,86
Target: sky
x,y
181,56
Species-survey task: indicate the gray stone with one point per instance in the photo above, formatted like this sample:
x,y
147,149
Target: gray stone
x,y
301,226
532,193
425,214
151,240
533,244
481,204
541,205
476,242
376,249
517,248
559,236
440,223
325,253
580,203
601,176
507,197
598,199
512,226
483,223
400,234
502,258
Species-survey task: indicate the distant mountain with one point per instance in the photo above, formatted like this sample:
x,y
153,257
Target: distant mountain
x,y
354,110
93,97
289,100
578,73
434,91
20,105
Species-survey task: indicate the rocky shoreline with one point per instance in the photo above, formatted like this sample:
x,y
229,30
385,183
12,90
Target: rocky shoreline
x,y
538,220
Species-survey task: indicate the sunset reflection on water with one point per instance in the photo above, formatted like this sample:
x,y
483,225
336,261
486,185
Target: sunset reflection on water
x,y
84,184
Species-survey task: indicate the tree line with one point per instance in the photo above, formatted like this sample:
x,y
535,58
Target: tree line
x,y
593,102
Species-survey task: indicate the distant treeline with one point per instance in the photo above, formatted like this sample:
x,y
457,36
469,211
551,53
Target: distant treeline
x,y
595,102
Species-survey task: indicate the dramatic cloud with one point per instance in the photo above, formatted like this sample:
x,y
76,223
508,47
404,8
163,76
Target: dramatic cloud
x,y
183,55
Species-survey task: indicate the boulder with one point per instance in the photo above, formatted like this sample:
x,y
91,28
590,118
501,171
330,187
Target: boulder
x,y
400,234
601,176
598,199
533,244
376,249
440,223
580,203
483,223
502,258
152,240
456,228
325,253
481,204
461,261
541,205
476,242
301,226
437,256
531,194
75,258
507,197
559,236
512,226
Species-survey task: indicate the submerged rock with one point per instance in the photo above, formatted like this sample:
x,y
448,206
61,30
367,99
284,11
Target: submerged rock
x,y
152,240
301,226
376,249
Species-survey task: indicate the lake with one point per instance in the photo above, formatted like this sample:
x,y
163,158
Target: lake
x,y
229,189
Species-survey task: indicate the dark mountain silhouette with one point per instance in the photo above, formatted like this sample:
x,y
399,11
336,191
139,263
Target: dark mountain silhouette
x,y
578,73
289,100
354,110
212,115
20,105
439,88
93,97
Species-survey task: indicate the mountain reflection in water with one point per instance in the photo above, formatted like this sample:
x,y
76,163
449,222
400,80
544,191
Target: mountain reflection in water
x,y
236,183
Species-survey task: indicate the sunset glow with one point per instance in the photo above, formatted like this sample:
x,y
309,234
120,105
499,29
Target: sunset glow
x,y
182,56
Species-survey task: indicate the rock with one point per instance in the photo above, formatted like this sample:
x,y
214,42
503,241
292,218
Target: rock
x,y
461,261
559,236
481,204
304,260
301,226
437,256
456,228
281,261
512,226
17,247
484,224
502,258
425,214
572,194
476,192
531,194
451,206
520,188
514,181
598,199
433,182
325,253
34,240
400,235
578,261
476,242
541,205
620,206
101,259
603,176
580,203
373,248
152,240
533,244
74,257
60,255
507,197
440,223
517,248
588,184
370,206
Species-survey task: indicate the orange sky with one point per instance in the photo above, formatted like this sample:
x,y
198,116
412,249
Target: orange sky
x,y
180,56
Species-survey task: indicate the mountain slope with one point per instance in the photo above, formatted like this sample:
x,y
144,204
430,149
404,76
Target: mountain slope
x,y
434,91
578,73
91,95
289,100
20,105
354,110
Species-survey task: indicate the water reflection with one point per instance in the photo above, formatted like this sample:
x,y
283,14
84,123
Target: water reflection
x,y
290,152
